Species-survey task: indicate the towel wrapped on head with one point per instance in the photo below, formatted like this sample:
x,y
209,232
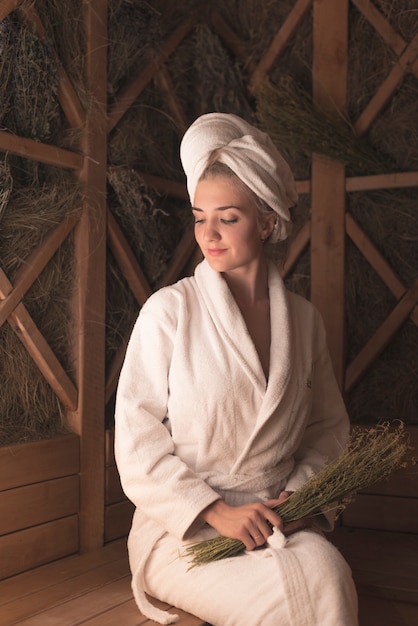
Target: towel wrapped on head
x,y
250,154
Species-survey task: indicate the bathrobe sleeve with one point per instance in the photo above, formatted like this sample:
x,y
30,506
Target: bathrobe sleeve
x,y
152,476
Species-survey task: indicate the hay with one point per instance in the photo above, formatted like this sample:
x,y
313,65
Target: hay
x,y
287,113
134,34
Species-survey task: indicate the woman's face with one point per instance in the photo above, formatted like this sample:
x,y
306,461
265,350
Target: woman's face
x,y
227,227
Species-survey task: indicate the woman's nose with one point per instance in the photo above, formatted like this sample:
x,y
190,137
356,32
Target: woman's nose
x,y
211,232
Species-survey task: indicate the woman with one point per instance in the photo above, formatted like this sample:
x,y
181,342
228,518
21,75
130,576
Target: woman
x,y
227,403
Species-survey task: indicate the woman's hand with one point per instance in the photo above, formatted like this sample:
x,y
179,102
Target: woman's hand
x,y
292,527
250,523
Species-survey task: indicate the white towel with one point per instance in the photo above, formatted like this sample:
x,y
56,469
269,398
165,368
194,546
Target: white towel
x,y
249,153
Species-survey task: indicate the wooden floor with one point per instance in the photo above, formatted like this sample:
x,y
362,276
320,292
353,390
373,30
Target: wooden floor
x,y
94,589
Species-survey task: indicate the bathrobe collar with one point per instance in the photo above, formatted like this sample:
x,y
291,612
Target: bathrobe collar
x,y
230,324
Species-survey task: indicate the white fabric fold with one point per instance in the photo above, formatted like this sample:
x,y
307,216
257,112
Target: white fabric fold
x,y
249,153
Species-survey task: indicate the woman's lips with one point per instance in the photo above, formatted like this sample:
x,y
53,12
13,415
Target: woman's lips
x,y
215,251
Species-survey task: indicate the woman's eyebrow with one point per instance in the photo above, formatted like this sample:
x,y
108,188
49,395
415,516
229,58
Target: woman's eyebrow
x,y
219,208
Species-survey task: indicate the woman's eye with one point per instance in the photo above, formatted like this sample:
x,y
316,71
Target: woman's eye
x,y
196,221
232,221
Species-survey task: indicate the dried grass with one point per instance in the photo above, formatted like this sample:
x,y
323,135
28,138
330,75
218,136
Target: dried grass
x,y
371,455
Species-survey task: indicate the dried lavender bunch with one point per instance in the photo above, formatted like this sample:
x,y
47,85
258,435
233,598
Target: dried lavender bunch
x,y
370,455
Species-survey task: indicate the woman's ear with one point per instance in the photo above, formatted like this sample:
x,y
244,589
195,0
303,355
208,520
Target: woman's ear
x,y
268,226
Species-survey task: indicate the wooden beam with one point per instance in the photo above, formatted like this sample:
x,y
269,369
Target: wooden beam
x,y
127,261
387,88
231,39
394,180
37,346
90,302
7,6
296,249
37,151
280,41
383,335
181,255
330,41
163,82
128,94
34,264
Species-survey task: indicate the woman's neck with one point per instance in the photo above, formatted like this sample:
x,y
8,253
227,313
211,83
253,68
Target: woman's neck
x,y
249,286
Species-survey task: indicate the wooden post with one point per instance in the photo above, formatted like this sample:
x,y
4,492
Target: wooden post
x,y
90,249
330,39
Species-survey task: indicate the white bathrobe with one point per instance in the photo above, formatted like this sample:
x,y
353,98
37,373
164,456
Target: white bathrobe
x,y
196,420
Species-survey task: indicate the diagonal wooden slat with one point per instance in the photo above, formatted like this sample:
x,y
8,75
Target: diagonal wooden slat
x,y
67,95
7,6
130,92
163,82
37,151
384,28
127,260
39,349
376,260
181,255
231,39
280,41
296,249
381,338
387,88
34,264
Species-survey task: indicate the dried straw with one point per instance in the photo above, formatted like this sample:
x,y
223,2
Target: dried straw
x,y
370,456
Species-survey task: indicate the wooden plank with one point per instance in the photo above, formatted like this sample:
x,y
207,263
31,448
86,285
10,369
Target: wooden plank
x,y
394,180
330,41
37,151
37,346
90,297
328,254
381,25
126,613
296,249
114,492
128,94
58,598
163,81
170,187
181,255
118,520
381,337
280,41
377,512
385,30
7,6
33,462
231,40
28,506
33,265
115,367
373,256
48,576
387,88
110,447
85,606
35,546
383,563
127,261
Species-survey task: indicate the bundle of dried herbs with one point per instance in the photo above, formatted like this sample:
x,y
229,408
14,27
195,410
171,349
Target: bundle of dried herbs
x,y
369,456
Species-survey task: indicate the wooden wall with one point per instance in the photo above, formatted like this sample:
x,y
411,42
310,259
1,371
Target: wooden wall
x,y
71,483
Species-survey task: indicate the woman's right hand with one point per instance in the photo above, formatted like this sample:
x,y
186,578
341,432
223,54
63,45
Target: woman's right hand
x,y
250,523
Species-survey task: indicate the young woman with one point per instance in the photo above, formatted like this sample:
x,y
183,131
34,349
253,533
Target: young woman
x,y
227,403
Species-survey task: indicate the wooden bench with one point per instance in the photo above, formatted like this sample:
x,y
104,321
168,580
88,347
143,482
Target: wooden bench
x,y
385,570
94,589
